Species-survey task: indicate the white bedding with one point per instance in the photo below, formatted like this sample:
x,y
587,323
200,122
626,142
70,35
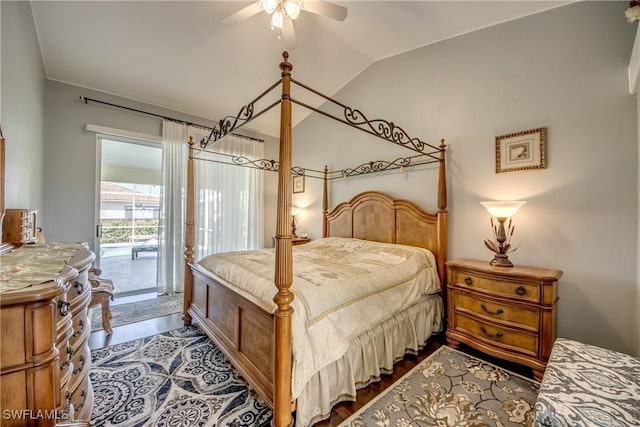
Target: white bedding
x,y
342,287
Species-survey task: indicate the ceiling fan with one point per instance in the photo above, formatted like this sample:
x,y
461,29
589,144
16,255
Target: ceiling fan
x,y
284,12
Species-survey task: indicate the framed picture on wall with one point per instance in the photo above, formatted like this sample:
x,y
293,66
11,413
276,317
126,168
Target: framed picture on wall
x,y
298,184
521,150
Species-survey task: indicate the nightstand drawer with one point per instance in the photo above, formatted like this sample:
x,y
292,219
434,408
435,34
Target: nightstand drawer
x,y
499,336
525,291
508,314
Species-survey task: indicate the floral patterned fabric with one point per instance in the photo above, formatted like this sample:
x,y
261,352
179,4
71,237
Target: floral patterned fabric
x,y
452,388
585,385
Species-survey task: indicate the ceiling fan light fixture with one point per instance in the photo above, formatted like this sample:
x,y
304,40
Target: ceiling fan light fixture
x,y
277,19
269,6
293,7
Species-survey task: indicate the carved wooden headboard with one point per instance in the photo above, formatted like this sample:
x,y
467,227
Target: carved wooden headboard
x,y
378,217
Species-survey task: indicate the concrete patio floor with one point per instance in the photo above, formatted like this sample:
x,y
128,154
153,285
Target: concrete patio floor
x,y
130,276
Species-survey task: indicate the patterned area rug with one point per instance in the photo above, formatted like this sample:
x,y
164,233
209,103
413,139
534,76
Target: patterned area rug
x,y
451,388
123,314
178,378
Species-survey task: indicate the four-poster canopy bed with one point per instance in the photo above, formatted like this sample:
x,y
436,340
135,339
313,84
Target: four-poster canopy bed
x,y
277,351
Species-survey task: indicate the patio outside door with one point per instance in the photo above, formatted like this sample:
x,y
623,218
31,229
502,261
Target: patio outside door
x,y
129,201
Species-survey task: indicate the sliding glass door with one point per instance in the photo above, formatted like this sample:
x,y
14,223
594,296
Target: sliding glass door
x,y
129,206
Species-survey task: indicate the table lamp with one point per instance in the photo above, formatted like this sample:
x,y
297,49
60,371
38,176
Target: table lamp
x,y
501,243
294,220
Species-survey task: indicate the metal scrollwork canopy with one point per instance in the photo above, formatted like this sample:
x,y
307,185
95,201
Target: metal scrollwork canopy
x,y
352,117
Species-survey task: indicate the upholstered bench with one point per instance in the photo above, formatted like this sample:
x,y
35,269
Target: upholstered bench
x,y
585,385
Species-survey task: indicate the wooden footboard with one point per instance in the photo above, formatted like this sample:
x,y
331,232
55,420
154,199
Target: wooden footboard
x,y
243,330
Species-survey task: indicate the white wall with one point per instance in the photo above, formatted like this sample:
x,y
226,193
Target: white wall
x,y
22,94
565,69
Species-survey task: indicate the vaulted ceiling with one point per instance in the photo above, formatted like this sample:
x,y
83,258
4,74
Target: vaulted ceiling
x,y
178,54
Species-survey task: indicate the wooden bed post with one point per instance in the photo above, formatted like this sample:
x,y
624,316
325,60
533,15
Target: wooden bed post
x,y
189,239
284,262
442,216
325,204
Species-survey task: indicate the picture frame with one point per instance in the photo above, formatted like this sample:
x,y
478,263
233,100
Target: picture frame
x,y
524,150
298,184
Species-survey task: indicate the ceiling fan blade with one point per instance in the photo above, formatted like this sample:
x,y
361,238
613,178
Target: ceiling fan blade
x,y
289,34
324,8
244,13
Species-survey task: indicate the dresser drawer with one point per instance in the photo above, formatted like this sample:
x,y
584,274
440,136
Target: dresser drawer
x,y
82,399
508,314
81,361
81,328
66,366
510,288
79,286
499,336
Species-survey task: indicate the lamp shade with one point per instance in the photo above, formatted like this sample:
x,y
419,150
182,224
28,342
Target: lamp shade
x,y
503,209
269,6
295,211
277,19
292,7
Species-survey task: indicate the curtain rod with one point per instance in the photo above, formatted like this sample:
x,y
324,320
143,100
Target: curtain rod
x,y
87,100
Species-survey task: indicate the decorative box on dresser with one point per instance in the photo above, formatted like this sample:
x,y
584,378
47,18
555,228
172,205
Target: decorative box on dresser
x,y
20,226
507,312
44,334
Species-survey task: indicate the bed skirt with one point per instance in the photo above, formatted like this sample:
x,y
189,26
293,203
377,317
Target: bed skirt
x,y
371,354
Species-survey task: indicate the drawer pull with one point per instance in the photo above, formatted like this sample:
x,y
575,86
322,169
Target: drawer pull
x,y
80,404
520,290
68,361
79,287
78,331
498,311
468,280
80,366
68,410
497,335
63,308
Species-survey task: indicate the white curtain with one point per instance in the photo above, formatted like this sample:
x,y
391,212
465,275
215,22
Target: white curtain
x,y
229,199
175,153
228,205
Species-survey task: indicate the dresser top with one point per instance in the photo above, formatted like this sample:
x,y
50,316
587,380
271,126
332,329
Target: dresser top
x,y
545,274
35,264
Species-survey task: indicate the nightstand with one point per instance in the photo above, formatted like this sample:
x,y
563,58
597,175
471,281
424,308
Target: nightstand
x,y
507,312
300,241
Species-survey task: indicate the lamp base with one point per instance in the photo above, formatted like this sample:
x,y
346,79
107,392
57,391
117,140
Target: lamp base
x,y
501,260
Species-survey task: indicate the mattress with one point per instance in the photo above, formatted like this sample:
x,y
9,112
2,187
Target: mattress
x,y
342,288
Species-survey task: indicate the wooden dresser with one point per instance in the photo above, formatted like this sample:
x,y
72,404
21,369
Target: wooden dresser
x,y
507,312
45,357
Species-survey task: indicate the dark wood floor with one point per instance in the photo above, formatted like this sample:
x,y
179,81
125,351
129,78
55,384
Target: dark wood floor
x,y
133,331
342,410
